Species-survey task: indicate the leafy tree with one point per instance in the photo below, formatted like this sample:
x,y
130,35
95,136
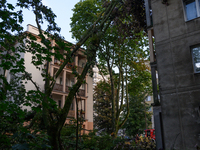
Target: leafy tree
x,y
45,114
119,48
139,116
13,95
139,89
102,107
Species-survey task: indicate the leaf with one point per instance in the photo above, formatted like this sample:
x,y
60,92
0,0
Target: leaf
x,y
24,146
10,6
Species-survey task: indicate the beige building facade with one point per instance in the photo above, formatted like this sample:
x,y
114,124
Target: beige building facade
x,y
64,82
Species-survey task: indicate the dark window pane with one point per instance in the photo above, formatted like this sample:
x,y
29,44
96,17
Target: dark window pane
x,y
59,103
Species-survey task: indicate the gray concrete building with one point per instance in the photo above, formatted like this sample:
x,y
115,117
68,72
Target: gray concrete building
x,y
174,25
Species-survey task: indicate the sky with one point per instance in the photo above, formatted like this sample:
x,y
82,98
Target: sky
x,y
63,11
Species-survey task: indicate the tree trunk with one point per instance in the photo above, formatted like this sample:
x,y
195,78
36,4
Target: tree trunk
x,y
54,138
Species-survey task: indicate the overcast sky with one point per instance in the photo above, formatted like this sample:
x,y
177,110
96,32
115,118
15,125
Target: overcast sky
x,y
63,11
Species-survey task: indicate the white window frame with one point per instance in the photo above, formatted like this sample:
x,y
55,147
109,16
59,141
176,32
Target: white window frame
x,y
197,8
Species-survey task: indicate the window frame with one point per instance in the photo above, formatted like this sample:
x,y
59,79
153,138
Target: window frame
x,y
197,3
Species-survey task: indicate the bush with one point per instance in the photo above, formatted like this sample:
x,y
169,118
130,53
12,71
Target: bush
x,y
145,143
93,142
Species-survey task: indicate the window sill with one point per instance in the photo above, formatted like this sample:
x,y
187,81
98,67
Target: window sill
x,y
192,19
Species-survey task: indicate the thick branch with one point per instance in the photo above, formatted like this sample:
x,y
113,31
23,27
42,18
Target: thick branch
x,y
127,102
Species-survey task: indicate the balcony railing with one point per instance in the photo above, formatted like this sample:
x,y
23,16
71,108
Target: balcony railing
x,y
81,114
58,87
81,92
67,89
68,66
80,69
71,113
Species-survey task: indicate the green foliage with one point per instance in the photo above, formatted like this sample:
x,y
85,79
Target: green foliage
x,y
93,142
102,107
45,119
145,143
91,11
139,89
69,129
30,141
138,117
121,48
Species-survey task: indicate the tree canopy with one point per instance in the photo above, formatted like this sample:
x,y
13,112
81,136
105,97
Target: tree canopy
x,y
45,117
102,107
121,47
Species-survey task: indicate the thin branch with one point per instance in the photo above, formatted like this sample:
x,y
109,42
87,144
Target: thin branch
x,y
28,76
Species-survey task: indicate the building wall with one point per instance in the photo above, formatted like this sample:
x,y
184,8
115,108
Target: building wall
x,y
90,99
35,73
60,91
179,86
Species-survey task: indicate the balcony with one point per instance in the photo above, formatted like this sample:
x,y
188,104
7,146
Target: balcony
x,y
81,92
71,113
81,114
68,66
80,69
67,89
58,87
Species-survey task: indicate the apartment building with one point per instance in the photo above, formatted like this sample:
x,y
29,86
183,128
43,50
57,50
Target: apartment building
x,y
97,76
64,82
174,25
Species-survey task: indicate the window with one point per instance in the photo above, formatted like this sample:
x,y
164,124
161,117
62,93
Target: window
x,y
66,82
59,103
72,106
148,99
195,50
150,109
55,60
192,9
83,65
83,86
61,81
72,82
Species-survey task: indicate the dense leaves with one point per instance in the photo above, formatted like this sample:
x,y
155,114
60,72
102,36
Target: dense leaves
x,y
139,117
45,119
121,48
102,107
14,43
